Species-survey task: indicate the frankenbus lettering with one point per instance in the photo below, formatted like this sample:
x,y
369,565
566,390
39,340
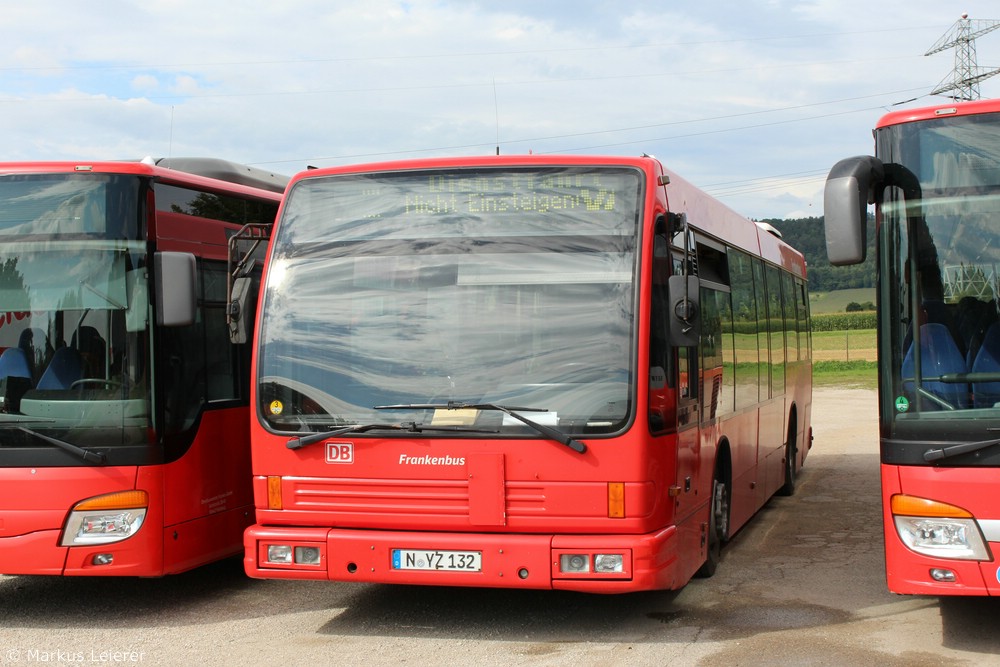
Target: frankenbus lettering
x,y
407,460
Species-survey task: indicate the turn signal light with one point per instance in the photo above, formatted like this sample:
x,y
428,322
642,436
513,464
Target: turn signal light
x,y
274,492
616,500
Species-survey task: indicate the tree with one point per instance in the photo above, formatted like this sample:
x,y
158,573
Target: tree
x,y
808,237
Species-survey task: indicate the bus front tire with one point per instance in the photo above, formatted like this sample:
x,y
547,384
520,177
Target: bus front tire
x,y
718,527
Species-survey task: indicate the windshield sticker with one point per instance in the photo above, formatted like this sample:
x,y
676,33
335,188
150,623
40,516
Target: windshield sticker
x,y
276,407
902,404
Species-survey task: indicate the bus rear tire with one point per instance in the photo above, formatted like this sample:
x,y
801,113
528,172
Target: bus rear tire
x,y
791,452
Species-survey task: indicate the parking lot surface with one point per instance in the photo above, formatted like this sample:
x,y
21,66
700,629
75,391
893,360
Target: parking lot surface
x,y
803,584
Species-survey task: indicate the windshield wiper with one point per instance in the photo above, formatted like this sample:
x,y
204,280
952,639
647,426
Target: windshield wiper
x,y
410,427
956,450
509,410
86,455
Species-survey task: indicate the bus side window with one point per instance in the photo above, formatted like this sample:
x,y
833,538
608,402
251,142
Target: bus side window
x,y
222,376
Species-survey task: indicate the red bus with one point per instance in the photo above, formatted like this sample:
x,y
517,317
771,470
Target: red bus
x,y
124,447
935,183
530,372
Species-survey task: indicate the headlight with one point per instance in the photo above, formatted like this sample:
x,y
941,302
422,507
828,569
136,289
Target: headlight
x,y
279,553
937,529
288,554
942,538
609,563
105,519
575,563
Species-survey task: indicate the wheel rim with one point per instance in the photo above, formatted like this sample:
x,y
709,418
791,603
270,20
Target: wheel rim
x,y
720,510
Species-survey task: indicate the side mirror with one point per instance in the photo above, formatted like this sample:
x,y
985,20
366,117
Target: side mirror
x,y
239,312
685,314
176,296
849,189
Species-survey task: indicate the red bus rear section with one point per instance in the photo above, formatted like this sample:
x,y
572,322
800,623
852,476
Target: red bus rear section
x,y
124,440
576,373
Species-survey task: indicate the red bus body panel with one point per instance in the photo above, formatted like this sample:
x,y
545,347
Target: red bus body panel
x,y
522,503
198,509
510,560
972,489
940,111
31,523
200,504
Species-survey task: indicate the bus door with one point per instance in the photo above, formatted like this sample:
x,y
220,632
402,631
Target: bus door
x,y
673,392
688,434
688,377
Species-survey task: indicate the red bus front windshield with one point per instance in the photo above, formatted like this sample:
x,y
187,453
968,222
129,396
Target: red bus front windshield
x,y
414,291
939,300
75,325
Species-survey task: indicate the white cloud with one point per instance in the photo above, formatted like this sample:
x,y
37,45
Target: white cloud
x,y
145,82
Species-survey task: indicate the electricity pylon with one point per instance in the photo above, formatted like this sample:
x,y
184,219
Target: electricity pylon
x,y
963,84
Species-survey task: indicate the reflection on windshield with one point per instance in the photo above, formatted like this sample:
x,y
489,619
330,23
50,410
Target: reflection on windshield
x,y
73,321
951,297
943,311
449,305
63,274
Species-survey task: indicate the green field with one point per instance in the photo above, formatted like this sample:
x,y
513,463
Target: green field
x,y
821,303
843,358
844,345
845,374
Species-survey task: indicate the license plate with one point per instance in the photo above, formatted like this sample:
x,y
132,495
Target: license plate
x,y
449,561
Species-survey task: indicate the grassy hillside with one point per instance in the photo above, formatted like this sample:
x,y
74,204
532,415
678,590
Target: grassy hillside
x,y
836,301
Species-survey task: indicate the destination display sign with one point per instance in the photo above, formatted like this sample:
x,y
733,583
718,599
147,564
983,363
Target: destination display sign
x,y
480,202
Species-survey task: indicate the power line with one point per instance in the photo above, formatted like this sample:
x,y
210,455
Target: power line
x,y
618,76
535,140
767,183
471,54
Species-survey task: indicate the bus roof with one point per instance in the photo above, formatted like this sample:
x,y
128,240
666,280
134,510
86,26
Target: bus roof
x,y
201,170
937,111
641,162
224,170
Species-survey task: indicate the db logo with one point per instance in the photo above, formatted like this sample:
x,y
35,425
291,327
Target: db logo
x,y
340,452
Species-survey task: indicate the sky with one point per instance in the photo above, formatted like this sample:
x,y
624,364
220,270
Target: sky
x,y
752,101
